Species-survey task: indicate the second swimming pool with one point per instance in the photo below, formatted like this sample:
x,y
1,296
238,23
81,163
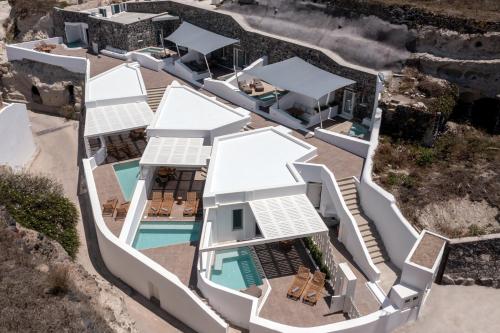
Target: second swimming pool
x,y
235,269
127,174
158,234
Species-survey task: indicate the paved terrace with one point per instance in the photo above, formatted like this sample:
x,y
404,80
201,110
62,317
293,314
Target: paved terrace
x,y
181,259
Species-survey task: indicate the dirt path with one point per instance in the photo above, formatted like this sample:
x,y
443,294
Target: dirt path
x,y
457,309
58,159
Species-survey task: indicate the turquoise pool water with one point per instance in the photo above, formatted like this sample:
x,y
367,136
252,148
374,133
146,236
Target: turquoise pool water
x,y
150,49
127,174
235,269
270,96
358,130
158,234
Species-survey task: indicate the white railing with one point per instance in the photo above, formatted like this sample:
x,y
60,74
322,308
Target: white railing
x,y
322,241
25,51
349,235
354,145
147,276
380,206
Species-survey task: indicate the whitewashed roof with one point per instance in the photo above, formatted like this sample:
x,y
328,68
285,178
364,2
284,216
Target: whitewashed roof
x,y
183,108
255,160
199,39
123,81
287,217
109,119
299,76
188,152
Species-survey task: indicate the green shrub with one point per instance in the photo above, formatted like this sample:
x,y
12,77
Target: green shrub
x,y
38,203
475,230
317,256
425,156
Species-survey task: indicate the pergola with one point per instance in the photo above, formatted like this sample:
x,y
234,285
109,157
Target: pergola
x,y
301,77
117,118
281,218
200,40
178,152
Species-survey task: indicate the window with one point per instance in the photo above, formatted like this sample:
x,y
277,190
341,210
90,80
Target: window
x,y
237,219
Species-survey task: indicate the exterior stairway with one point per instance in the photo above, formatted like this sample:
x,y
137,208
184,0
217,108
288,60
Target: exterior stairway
x,y
154,97
367,228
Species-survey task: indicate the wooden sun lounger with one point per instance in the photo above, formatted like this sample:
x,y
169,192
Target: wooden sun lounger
x,y
258,85
155,205
314,288
191,204
299,283
121,212
167,204
108,208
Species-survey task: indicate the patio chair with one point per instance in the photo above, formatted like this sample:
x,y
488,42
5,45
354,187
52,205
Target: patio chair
x,y
191,204
299,283
314,288
258,85
155,205
121,212
245,87
108,208
167,204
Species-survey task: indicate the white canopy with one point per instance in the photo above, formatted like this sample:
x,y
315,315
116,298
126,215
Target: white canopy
x,y
287,217
199,39
109,119
180,152
301,77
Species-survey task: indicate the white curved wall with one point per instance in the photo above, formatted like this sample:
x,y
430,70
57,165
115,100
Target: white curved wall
x,y
17,146
140,272
380,206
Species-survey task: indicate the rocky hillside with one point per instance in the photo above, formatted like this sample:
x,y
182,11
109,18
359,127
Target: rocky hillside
x,y
43,290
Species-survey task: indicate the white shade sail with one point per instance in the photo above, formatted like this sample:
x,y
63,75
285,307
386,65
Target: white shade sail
x,y
287,217
199,39
109,119
180,152
301,77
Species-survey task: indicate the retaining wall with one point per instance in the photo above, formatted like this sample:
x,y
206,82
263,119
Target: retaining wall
x,y
472,260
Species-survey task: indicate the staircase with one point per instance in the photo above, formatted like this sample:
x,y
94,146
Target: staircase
x,y
154,97
367,228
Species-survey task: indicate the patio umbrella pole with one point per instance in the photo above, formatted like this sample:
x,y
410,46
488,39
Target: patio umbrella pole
x,y
320,119
208,67
178,52
163,42
276,95
236,74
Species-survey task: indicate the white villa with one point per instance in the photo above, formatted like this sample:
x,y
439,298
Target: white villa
x,y
228,220
229,216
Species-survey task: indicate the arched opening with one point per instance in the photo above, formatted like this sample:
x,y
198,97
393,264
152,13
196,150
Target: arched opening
x,y
71,92
35,95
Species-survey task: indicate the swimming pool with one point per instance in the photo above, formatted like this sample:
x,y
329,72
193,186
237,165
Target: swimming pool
x,y
358,130
150,50
127,174
235,269
270,96
158,234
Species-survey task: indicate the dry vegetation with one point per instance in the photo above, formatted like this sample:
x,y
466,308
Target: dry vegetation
x,y
452,187
38,297
486,10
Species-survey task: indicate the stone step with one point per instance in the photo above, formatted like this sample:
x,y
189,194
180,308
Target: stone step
x,y
345,180
374,248
376,254
350,191
379,260
353,207
347,187
355,211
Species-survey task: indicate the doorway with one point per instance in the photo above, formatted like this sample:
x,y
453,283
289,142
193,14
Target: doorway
x,y
348,104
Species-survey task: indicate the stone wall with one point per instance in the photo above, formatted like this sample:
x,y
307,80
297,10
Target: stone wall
x,y
44,87
472,260
59,16
257,45
409,15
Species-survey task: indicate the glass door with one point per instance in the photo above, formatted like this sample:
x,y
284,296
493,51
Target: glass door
x,y
348,104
